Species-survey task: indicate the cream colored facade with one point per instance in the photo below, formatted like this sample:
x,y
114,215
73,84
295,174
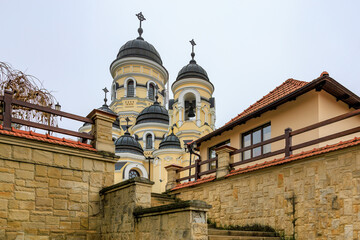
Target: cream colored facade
x,y
137,79
310,108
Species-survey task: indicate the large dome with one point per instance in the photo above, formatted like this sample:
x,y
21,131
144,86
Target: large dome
x,y
171,141
192,70
139,48
127,144
154,113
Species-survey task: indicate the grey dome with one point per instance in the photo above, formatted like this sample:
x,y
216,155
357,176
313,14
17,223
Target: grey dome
x,y
139,48
127,144
192,70
171,141
154,113
106,108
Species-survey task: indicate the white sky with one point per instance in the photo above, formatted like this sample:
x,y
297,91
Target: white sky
x,y
247,47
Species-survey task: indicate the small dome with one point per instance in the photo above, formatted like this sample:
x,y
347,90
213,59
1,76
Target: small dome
x,y
154,113
171,141
127,144
192,70
106,108
139,48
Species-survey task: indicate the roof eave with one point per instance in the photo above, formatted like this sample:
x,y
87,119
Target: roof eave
x,y
308,87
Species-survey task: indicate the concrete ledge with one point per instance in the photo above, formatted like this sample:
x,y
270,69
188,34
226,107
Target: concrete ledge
x,y
120,185
174,207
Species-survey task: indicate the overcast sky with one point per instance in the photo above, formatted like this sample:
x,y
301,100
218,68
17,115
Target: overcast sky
x,y
247,47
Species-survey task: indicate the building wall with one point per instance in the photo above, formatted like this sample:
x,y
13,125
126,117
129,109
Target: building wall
x,y
48,190
327,203
307,109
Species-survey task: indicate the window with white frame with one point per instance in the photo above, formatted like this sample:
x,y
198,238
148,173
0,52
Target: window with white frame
x,y
151,92
130,89
149,141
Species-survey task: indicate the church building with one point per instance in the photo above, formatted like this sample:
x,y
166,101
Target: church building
x,y
152,130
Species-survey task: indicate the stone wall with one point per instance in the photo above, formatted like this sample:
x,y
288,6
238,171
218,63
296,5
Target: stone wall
x,y
127,214
50,191
325,189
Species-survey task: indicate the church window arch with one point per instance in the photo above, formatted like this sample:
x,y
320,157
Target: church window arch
x,y
130,87
151,90
133,173
138,167
149,140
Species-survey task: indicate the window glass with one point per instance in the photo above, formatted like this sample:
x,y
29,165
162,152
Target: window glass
x,y
256,152
152,92
130,89
247,140
149,141
267,133
247,154
256,136
212,152
133,173
266,148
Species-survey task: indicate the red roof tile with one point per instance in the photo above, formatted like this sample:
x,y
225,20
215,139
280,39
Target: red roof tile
x,y
281,91
279,161
192,183
46,138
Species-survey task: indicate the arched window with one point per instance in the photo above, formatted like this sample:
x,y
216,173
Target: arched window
x,y
149,142
190,106
130,89
151,92
133,173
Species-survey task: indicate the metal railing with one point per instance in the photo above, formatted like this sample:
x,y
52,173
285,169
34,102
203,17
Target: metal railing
x,y
287,150
8,102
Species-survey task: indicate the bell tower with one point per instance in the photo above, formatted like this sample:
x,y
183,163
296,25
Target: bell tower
x,y
193,107
138,76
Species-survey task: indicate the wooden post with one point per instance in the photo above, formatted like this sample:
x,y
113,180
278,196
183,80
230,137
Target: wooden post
x,y
197,169
288,142
173,175
7,111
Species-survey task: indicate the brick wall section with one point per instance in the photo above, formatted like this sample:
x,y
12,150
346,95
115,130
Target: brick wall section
x,y
50,190
326,190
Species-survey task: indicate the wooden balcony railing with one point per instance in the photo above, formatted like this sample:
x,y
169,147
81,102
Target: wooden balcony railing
x,y
287,150
7,105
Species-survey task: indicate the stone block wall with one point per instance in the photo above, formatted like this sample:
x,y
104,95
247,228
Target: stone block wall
x,y
48,191
127,214
325,190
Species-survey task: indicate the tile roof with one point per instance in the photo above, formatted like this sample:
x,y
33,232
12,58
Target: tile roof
x,y
281,91
46,138
316,151
192,183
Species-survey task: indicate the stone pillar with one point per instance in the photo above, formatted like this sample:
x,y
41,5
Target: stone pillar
x,y
102,130
223,155
172,175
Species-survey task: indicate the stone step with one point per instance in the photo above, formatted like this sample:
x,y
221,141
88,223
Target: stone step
x,y
219,237
214,232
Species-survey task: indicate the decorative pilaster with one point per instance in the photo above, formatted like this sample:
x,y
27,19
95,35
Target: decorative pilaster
x,y
223,155
180,109
198,121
